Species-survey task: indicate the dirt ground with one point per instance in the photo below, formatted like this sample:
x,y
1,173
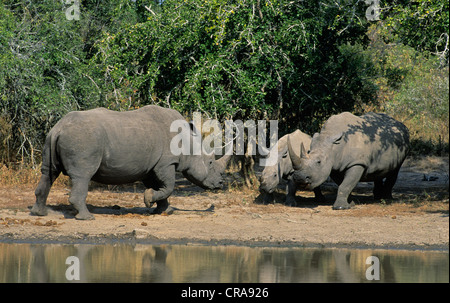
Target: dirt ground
x,y
418,217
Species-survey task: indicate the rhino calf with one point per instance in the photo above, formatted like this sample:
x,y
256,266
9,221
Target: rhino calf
x,y
271,176
121,147
351,149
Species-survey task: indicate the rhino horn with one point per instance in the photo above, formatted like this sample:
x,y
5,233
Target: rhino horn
x,y
303,153
296,161
264,151
223,162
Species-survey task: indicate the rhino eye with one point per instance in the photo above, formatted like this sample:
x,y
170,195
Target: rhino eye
x,y
318,161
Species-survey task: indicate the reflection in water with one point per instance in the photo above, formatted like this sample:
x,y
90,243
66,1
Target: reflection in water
x,y
184,263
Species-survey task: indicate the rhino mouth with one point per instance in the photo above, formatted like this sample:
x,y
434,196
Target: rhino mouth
x,y
309,186
301,181
265,189
211,186
269,191
305,185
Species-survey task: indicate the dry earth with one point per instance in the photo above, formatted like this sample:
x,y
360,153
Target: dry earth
x,y
417,218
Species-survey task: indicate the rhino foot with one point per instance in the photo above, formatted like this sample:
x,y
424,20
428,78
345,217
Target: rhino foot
x,y
168,211
85,216
290,201
148,197
38,210
163,208
268,198
383,196
343,205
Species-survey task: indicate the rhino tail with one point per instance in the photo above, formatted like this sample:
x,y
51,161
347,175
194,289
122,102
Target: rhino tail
x,y
50,161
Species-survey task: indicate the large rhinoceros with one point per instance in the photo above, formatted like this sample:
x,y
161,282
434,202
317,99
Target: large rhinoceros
x,y
350,149
271,176
120,147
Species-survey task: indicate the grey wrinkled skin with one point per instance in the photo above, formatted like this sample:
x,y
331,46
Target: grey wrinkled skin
x,y
271,176
350,149
120,147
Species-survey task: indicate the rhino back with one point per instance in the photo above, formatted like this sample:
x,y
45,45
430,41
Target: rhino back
x,y
120,146
374,140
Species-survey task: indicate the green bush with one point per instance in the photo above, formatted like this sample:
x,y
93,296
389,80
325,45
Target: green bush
x,y
296,61
45,71
413,87
246,59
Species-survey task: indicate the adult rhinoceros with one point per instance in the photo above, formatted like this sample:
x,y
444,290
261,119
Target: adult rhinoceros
x,y
350,149
120,147
271,176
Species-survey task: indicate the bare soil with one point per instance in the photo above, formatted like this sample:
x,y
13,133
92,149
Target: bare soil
x,y
418,217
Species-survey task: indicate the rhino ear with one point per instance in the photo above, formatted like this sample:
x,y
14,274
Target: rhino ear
x,y
336,139
283,152
194,129
296,161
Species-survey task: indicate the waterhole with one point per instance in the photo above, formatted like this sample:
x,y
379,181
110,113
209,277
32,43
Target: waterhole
x,y
194,263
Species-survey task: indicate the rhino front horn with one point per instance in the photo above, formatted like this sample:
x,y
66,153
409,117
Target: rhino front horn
x,y
223,161
296,161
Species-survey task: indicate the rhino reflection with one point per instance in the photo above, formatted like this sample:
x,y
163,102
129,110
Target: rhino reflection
x,y
182,263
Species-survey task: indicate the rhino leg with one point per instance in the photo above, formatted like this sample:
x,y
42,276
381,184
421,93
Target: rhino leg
x,y
389,184
318,196
78,196
378,189
163,207
161,183
351,178
383,190
290,196
41,193
268,198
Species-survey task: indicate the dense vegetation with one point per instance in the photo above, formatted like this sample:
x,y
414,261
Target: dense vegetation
x,y
296,61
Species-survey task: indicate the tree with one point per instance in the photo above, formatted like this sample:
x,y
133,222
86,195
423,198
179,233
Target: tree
x,y
242,59
45,71
421,24
296,61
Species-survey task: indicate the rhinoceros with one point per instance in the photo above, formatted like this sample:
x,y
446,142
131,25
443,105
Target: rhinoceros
x,y
271,176
113,147
351,149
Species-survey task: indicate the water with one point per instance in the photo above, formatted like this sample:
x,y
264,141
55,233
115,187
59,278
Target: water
x,y
190,263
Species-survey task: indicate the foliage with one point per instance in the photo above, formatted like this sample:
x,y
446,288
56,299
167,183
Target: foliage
x,y
296,61
45,71
241,59
413,88
421,24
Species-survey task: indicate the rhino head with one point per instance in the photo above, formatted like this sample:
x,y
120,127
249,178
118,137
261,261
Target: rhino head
x,y
205,171
271,175
312,168
197,166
